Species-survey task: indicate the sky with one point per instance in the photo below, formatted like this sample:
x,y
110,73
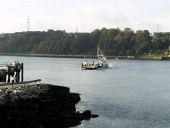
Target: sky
x,y
84,15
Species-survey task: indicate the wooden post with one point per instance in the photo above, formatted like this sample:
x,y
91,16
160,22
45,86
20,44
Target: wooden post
x,y
22,72
17,76
8,75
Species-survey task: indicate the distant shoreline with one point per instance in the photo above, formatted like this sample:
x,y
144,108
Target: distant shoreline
x,y
88,56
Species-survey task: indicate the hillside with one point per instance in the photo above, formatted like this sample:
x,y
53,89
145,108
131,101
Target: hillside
x,y
111,42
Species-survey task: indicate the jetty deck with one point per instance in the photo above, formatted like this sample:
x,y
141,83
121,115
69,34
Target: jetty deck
x,y
19,84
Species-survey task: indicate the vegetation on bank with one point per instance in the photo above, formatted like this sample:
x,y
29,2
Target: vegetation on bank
x,y
111,41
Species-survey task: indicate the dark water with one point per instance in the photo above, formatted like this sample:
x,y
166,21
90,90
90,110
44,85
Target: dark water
x,y
130,94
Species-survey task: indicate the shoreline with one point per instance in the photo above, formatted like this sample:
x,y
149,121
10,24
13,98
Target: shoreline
x,y
41,106
88,56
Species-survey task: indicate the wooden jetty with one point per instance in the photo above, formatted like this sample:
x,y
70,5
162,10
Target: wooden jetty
x,y
12,76
12,72
19,84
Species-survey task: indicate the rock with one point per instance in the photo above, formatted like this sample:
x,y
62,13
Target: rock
x,y
45,106
94,116
86,114
75,97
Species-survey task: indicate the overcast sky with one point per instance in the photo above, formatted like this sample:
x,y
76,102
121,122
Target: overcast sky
x,y
87,15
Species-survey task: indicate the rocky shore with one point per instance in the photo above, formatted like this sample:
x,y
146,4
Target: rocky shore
x,y
40,106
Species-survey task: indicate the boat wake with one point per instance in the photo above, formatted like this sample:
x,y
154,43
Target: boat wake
x,y
112,65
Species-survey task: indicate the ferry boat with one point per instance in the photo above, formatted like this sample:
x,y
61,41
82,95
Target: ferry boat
x,y
102,62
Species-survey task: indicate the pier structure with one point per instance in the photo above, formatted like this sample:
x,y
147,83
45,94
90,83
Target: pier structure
x,y
12,72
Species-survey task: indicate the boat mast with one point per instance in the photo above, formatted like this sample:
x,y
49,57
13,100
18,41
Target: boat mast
x,y
99,53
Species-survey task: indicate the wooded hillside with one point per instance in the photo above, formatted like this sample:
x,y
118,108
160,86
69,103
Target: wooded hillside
x,y
111,42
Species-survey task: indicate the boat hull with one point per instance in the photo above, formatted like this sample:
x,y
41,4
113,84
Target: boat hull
x,y
87,68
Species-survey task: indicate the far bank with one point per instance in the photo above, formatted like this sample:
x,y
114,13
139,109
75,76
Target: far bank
x,y
88,56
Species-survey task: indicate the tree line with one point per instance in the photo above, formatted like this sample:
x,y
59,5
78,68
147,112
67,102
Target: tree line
x,y
114,42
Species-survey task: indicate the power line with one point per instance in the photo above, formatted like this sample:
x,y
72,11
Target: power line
x,y
158,27
28,24
76,28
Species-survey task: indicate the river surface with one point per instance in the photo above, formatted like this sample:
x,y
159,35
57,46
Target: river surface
x,y
130,94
